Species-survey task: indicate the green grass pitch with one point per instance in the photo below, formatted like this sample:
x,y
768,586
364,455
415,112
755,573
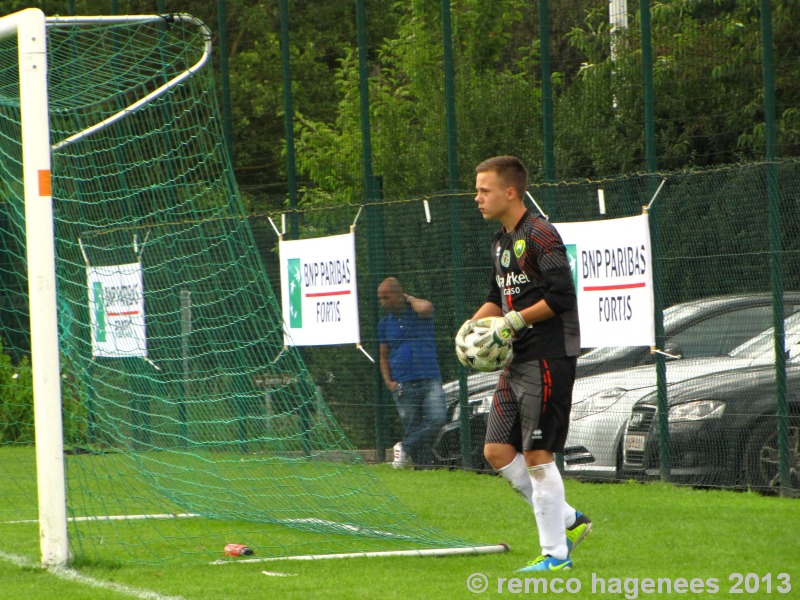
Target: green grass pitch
x,y
652,531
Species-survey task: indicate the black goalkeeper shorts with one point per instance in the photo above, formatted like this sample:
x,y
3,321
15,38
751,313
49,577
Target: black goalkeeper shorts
x,y
532,403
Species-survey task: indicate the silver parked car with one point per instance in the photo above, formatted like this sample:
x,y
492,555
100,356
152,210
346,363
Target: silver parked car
x,y
705,327
602,404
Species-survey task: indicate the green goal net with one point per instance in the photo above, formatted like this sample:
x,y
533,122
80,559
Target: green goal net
x,y
187,423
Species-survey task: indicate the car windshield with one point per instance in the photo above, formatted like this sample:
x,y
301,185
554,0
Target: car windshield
x,y
764,344
672,316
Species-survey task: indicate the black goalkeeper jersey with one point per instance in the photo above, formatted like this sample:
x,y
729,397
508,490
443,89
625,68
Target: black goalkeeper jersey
x,y
530,264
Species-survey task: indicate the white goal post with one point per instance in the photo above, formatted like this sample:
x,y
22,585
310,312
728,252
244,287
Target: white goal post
x,y
30,28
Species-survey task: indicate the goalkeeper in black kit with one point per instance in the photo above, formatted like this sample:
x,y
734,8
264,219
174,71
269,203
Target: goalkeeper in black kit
x,y
532,306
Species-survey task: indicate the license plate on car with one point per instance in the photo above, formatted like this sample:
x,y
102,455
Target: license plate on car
x,y
634,443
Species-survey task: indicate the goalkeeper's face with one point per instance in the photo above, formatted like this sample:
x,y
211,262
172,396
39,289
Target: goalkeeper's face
x,y
494,197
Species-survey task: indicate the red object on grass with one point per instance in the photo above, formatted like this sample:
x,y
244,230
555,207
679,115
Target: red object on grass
x,y
238,550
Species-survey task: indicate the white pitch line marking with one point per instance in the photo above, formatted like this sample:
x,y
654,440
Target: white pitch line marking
x,y
72,575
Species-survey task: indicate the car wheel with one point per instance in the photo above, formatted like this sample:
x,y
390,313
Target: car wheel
x,y
478,430
447,448
761,466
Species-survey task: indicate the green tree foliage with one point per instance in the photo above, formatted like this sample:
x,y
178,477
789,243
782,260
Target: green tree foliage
x,y
495,78
322,36
707,75
16,402
708,88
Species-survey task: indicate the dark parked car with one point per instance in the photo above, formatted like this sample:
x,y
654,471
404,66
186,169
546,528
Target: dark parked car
x,y
448,446
697,329
700,328
722,430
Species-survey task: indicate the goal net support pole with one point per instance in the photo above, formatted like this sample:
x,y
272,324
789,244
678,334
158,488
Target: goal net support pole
x,y
29,26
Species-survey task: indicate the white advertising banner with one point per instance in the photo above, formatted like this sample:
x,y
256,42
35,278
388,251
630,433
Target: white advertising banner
x,y
612,270
318,289
116,309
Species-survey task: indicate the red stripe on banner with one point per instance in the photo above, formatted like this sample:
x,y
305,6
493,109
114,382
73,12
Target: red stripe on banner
x,y
622,286
124,314
319,294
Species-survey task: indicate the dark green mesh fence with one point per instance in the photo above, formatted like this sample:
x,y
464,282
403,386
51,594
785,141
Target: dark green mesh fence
x,y
713,265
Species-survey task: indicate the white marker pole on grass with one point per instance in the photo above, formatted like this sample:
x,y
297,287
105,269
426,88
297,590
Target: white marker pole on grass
x,y
490,549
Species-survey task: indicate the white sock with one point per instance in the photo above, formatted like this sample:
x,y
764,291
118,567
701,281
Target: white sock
x,y
548,507
516,474
570,515
519,480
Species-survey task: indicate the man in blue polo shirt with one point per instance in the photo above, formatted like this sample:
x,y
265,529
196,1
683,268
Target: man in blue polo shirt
x,y
410,369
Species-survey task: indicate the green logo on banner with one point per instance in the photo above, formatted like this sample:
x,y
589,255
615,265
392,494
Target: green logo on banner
x,y
99,312
572,257
294,277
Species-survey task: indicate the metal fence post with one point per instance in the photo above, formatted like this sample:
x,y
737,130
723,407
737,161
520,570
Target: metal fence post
x,y
547,94
456,259
288,119
775,262
224,76
658,301
374,217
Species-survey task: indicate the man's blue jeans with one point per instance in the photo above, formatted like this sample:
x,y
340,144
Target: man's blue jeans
x,y
423,412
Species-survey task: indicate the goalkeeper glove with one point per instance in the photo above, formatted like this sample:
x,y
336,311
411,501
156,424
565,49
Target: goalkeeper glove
x,y
499,332
461,344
